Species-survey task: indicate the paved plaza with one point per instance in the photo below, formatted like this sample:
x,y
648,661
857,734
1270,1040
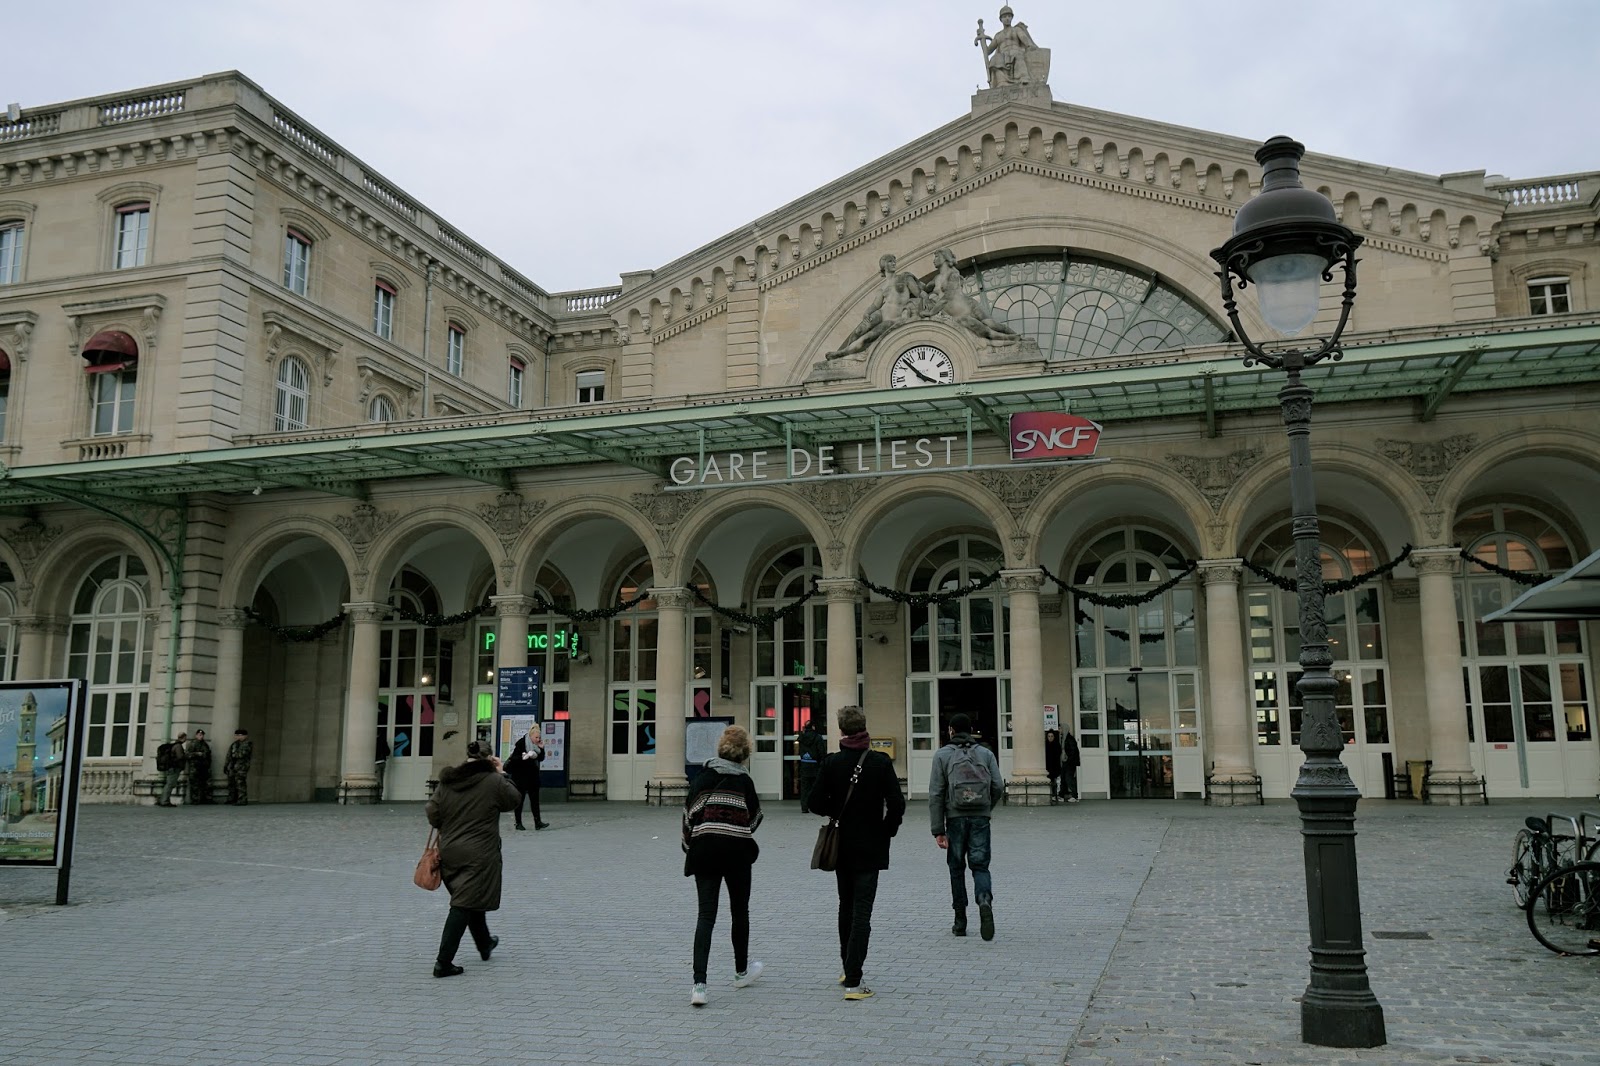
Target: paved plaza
x,y
1129,933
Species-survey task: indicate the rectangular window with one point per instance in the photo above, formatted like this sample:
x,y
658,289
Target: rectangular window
x,y
296,262
10,252
1549,296
455,357
133,236
383,309
111,394
514,390
592,386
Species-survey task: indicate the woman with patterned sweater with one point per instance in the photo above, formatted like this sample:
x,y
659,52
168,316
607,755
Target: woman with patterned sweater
x,y
720,816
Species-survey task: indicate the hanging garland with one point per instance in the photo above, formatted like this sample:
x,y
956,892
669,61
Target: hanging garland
x,y
1520,577
919,600
598,614
1329,588
1124,599
436,621
766,619
295,634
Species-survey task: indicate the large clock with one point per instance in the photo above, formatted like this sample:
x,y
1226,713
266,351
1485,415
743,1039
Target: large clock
x,y
921,365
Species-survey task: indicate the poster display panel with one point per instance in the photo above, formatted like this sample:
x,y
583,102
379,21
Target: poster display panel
x,y
41,742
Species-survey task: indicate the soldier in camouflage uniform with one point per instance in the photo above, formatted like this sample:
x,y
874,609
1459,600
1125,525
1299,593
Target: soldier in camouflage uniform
x,y
237,767
198,762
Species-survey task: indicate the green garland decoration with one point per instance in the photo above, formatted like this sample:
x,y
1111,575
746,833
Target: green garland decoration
x,y
436,621
766,619
295,634
919,600
598,614
1123,599
1518,576
1329,588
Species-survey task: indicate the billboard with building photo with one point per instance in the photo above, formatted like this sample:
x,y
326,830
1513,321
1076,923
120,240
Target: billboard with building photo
x,y
41,729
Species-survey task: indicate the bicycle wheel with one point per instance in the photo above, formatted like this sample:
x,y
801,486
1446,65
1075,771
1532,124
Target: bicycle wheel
x,y
1564,914
1524,866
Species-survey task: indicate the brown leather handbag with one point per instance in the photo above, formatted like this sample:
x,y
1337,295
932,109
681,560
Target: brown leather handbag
x,y
427,875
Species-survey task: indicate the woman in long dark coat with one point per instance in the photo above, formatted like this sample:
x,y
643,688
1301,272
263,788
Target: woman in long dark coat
x,y
872,816
466,808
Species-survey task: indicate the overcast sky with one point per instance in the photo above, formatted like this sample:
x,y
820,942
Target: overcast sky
x,y
578,141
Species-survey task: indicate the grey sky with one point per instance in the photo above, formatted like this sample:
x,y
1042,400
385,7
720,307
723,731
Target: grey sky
x,y
578,141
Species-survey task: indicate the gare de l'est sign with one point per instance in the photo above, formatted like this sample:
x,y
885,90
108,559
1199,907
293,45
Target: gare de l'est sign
x,y
1035,436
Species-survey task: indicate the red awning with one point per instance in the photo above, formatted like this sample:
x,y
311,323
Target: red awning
x,y
110,345
109,367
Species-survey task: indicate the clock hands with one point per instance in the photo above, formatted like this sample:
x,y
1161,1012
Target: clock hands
x,y
913,368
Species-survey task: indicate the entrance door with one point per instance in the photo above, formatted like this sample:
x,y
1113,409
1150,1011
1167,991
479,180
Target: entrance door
x,y
1139,734
802,701
932,701
632,757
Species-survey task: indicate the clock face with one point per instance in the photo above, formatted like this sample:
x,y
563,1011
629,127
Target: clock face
x,y
922,365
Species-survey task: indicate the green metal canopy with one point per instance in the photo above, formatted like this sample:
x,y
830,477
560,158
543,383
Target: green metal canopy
x,y
1424,367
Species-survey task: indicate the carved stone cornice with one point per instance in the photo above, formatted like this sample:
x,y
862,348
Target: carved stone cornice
x,y
43,624
85,319
832,498
1430,462
366,613
1214,475
1438,560
672,599
232,618
1221,571
1021,582
30,538
509,515
839,589
363,524
665,510
1017,489
284,331
375,372
16,333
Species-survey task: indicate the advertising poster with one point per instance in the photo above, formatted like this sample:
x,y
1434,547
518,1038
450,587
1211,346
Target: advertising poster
x,y
512,728
40,737
700,736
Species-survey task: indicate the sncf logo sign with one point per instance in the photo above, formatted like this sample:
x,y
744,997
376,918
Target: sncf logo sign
x,y
1052,435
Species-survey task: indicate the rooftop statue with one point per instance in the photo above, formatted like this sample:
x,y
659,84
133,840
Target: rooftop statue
x,y
946,298
903,298
1010,56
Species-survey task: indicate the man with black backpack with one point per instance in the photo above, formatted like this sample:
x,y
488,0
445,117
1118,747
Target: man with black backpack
x,y
963,788
170,758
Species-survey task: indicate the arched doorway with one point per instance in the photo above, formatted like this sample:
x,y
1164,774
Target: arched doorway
x,y
408,678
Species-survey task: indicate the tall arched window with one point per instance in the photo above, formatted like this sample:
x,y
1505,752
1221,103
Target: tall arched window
x,y
408,681
293,395
380,409
8,628
109,645
1530,719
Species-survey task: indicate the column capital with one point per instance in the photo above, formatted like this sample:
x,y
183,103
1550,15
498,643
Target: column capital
x,y
1220,571
232,618
513,605
672,598
1023,581
839,588
42,623
371,613
1444,559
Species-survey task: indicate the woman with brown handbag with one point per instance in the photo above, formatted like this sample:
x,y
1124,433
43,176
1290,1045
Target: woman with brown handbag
x,y
466,809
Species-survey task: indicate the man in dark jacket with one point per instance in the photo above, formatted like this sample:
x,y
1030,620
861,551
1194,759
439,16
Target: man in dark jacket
x,y
859,788
1052,765
1070,758
523,769
813,749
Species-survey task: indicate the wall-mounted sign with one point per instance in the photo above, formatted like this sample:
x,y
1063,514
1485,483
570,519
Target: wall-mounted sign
x,y
1052,435
563,640
890,456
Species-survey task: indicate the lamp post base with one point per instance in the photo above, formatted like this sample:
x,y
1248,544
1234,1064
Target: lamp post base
x,y
1330,1019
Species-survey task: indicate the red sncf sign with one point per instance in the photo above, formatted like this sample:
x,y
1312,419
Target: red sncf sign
x,y
1052,435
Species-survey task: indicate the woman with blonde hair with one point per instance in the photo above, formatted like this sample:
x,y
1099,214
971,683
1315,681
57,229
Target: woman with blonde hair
x,y
720,816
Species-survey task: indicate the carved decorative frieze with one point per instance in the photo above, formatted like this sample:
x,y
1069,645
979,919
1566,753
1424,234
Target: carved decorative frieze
x,y
835,550
363,524
1436,561
232,618
672,599
883,613
16,333
832,498
1050,606
1021,581
1017,489
840,589
30,539
1404,590
284,332
1214,475
1430,462
509,515
665,510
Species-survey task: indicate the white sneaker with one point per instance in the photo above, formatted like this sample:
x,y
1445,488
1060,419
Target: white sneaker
x,y
748,978
697,998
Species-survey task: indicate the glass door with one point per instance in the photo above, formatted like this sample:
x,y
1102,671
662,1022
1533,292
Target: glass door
x,y
1140,734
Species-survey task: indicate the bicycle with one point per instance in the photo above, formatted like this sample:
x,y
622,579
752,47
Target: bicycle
x,y
1564,909
1537,850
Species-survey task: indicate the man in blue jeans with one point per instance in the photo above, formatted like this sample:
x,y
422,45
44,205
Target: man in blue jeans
x,y
963,788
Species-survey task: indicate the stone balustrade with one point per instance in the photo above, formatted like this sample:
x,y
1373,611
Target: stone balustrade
x,y
137,107
296,132
1537,192
589,300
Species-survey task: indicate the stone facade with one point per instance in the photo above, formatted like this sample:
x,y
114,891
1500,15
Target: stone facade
x,y
402,314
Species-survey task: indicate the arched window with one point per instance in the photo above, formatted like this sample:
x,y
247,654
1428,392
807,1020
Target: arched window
x,y
111,359
380,409
292,396
8,628
408,678
109,645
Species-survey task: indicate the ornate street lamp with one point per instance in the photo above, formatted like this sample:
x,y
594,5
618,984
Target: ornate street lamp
x,y
1287,242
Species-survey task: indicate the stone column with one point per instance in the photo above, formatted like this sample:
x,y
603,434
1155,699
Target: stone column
x,y
33,648
229,678
842,595
1232,780
1029,785
668,785
358,782
1451,779
510,643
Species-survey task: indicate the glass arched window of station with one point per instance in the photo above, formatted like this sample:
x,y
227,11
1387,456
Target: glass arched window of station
x,y
1356,638
1530,714
553,643
1136,670
1077,307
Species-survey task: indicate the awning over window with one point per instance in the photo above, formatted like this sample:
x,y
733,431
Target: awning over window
x,y
107,347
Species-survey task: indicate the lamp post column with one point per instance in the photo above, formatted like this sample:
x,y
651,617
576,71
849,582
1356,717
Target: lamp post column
x,y
1234,781
359,781
1451,779
668,782
1029,785
1338,1008
842,595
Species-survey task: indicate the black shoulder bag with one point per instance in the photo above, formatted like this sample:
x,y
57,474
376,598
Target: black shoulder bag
x,y
825,855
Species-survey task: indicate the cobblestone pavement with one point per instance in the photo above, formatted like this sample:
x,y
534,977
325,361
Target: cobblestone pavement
x,y
1129,932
